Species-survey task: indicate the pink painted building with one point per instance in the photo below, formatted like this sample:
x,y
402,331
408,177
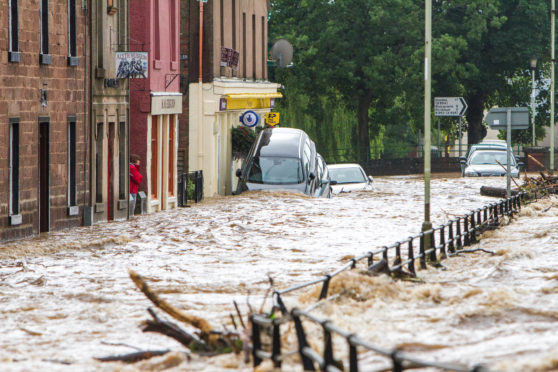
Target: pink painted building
x,y
155,101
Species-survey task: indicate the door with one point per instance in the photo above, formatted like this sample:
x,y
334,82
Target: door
x,y
110,175
44,177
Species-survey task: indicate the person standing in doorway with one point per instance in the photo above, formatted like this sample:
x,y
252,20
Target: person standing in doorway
x,y
135,180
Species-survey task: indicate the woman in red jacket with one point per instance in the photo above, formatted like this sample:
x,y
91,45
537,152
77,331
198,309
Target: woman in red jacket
x,y
135,179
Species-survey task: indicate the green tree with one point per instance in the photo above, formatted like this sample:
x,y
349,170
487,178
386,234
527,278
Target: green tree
x,y
368,55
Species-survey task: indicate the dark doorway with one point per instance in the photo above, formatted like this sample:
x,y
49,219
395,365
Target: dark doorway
x,y
44,178
110,176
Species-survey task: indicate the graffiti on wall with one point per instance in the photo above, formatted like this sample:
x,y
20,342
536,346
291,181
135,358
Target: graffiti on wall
x,y
131,65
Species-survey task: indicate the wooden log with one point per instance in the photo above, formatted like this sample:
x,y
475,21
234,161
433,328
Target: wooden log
x,y
172,330
200,323
496,191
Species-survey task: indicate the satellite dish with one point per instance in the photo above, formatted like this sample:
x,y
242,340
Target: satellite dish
x,y
282,52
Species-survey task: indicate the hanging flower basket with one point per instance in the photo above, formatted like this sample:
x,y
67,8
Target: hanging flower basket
x,y
242,140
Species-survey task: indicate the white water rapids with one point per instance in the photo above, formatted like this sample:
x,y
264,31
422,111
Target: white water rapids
x,y
66,296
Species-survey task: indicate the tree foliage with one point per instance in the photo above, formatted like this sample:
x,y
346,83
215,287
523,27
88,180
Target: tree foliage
x,y
364,59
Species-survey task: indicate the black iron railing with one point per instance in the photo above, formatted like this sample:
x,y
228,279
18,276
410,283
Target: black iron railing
x,y
448,239
190,187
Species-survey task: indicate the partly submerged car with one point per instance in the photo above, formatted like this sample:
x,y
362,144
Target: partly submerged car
x,y
488,145
489,163
349,177
284,159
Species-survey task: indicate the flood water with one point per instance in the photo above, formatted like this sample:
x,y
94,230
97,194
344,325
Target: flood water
x,y
66,296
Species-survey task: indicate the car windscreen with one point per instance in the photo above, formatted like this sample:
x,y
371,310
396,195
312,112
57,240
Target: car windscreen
x,y
346,175
490,157
275,170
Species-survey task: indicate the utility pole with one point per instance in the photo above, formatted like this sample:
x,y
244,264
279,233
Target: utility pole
x,y
552,123
427,225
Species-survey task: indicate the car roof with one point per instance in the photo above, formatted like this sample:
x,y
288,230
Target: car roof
x,y
280,142
348,165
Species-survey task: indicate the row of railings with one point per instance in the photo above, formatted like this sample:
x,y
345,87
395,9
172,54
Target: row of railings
x,y
448,239
190,187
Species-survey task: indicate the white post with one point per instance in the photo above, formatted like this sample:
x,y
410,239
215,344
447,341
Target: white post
x,y
533,112
508,140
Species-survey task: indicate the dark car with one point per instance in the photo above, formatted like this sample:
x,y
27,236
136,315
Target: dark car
x,y
284,159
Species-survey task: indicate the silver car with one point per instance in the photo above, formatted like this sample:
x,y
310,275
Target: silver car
x,y
489,163
349,177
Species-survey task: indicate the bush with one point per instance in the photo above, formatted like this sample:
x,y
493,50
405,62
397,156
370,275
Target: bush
x,y
242,140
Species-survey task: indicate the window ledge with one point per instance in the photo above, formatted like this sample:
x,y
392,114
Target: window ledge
x,y
15,219
45,59
73,210
73,61
14,57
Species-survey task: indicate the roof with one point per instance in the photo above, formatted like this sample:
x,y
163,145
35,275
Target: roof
x,y
346,165
283,142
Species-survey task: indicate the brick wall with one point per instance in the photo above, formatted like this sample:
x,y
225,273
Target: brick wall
x,y
20,97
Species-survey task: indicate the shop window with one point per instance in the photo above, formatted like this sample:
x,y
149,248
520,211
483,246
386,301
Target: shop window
x,y
14,171
13,54
45,57
72,34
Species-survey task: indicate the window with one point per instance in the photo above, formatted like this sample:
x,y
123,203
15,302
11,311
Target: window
x,y
244,46
45,57
72,185
157,30
14,168
254,46
14,55
99,164
234,24
72,34
264,52
123,167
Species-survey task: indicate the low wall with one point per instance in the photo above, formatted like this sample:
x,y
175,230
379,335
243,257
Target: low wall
x,y
388,167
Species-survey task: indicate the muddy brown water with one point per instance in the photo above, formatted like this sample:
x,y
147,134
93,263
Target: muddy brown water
x,y
66,296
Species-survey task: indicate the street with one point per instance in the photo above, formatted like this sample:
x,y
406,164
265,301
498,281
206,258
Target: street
x,y
67,296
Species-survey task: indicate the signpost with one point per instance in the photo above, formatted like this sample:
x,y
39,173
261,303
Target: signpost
x,y
450,106
508,118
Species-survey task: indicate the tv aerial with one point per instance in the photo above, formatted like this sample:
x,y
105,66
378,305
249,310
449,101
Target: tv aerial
x,y
282,53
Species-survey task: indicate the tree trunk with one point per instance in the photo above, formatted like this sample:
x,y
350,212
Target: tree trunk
x,y
363,132
475,114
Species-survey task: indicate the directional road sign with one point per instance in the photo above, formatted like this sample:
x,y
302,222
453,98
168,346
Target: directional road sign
x,y
449,106
497,118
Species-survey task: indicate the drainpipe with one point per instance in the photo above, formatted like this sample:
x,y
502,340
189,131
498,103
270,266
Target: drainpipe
x,y
200,91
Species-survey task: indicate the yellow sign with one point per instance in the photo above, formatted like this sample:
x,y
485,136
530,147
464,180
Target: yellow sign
x,y
272,118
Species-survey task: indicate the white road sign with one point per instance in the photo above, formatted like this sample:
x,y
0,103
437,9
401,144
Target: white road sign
x,y
449,106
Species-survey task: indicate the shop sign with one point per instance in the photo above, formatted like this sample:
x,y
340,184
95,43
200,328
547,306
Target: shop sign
x,y
272,118
167,104
249,119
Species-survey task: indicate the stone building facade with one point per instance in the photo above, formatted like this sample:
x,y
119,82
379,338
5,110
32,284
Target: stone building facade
x,y
108,110
232,79
44,132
